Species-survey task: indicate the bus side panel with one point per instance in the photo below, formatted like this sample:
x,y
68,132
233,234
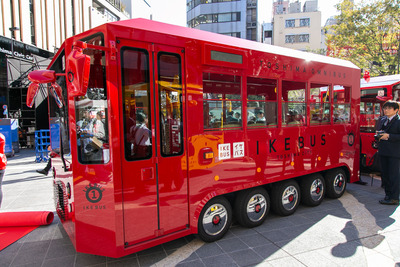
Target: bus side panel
x,y
270,154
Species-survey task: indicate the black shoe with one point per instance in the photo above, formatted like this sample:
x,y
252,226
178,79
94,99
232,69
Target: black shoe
x,y
42,172
386,198
389,202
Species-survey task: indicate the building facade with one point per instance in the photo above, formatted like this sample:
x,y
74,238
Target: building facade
x,y
298,28
280,7
238,18
30,32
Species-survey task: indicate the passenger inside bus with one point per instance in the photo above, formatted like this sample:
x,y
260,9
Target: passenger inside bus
x,y
260,116
230,118
340,115
82,127
293,117
141,144
250,118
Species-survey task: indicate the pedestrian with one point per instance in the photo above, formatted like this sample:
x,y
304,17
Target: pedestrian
x,y
3,162
389,152
46,169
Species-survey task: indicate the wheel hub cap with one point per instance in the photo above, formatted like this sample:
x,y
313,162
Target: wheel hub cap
x,y
256,208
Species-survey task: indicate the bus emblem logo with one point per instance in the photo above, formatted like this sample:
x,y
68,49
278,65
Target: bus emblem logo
x,y
70,76
94,193
350,139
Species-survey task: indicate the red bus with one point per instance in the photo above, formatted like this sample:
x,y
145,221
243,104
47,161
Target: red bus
x,y
163,131
373,94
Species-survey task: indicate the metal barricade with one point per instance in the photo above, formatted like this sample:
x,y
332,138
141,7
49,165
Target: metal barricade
x,y
42,141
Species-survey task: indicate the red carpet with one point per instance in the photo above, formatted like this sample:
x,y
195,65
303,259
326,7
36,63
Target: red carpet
x,y
14,225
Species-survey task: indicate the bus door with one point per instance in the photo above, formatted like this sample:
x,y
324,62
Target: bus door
x,y
154,163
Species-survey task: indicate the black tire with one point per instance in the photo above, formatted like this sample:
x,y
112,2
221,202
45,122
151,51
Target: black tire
x,y
312,189
285,197
336,182
215,219
252,207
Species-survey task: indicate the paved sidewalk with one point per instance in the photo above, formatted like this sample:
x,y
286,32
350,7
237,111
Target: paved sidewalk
x,y
354,230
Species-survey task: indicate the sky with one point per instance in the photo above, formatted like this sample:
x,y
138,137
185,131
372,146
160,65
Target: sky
x,y
174,11
328,9
169,11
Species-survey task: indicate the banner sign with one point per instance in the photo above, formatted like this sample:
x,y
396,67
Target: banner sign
x,y
20,50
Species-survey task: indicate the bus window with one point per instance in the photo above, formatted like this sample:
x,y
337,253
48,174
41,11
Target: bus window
x,y
136,103
222,101
319,104
261,102
170,93
293,103
377,108
341,104
369,114
91,114
369,108
396,93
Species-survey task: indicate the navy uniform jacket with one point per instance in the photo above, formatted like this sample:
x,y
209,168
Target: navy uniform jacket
x,y
391,147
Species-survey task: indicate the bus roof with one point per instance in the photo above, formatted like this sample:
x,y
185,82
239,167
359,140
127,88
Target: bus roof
x,y
380,81
174,30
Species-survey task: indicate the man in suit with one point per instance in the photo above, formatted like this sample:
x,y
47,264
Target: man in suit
x,y
389,152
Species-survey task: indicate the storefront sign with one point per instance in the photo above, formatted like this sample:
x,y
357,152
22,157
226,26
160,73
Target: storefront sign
x,y
20,50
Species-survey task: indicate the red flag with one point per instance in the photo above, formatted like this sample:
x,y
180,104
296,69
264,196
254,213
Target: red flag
x,y
366,76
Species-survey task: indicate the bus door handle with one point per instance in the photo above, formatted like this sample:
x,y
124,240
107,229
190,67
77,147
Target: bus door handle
x,y
147,174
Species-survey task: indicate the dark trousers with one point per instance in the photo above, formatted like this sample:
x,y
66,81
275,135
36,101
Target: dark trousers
x,y
1,180
390,175
48,166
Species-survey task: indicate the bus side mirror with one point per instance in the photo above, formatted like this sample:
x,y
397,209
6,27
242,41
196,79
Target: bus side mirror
x,y
56,92
78,70
33,90
42,76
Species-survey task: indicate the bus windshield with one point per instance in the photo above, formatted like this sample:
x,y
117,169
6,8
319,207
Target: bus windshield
x,y
91,110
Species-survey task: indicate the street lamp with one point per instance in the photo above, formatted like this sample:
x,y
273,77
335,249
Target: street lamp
x,y
12,30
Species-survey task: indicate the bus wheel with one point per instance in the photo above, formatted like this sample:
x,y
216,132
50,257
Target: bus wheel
x,y
252,207
215,219
285,197
312,189
335,183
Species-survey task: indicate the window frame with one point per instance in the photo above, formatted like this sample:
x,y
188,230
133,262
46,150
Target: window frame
x,y
264,101
181,151
346,103
124,107
301,118
237,80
